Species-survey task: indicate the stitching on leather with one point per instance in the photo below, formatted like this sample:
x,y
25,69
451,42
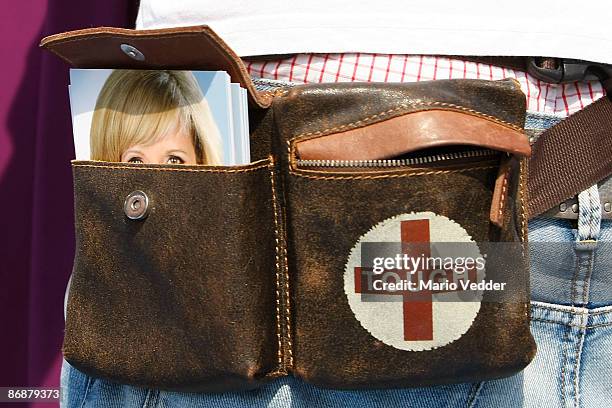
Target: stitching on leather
x,y
141,36
147,37
280,92
93,32
260,164
304,173
267,93
523,169
288,310
401,175
277,255
287,300
502,200
371,118
275,374
523,174
291,155
236,62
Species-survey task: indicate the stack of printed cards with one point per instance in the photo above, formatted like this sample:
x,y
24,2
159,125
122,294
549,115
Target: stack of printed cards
x,y
225,102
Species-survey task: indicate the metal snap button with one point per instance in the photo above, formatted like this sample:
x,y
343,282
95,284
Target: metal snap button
x,y
136,206
132,52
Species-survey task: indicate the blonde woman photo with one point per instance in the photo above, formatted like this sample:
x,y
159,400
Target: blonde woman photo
x,y
154,116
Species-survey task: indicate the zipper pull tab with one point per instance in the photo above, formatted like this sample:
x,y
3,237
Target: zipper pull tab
x,y
500,192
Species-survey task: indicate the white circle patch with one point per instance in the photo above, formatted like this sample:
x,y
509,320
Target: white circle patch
x,y
438,317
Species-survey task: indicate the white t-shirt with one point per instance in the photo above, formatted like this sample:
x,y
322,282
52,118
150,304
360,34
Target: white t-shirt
x,y
560,28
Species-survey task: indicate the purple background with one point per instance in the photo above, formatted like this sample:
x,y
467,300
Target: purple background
x,y
36,211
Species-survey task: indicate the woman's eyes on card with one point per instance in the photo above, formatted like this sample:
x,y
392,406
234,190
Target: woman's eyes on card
x,y
170,160
175,160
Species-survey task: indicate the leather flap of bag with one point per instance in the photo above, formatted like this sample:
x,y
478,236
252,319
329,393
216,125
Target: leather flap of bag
x,y
415,131
190,48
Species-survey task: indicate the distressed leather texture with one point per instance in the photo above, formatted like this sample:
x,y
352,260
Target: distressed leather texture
x,y
194,48
235,275
412,132
328,211
184,299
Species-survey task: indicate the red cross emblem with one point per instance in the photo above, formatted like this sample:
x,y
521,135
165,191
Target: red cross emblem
x,y
417,314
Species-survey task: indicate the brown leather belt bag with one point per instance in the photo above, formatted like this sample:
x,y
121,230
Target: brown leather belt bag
x,y
224,277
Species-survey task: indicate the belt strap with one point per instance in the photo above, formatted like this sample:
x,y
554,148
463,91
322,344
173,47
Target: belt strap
x,y
577,152
570,157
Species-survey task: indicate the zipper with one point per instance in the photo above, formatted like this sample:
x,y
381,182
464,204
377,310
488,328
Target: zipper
x,y
410,161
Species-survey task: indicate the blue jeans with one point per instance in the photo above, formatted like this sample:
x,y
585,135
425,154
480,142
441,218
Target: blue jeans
x,y
571,278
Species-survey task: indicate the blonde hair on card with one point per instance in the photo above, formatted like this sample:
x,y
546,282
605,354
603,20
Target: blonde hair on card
x,y
138,107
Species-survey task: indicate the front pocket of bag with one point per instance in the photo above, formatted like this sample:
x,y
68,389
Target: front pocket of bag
x,y
182,298
333,345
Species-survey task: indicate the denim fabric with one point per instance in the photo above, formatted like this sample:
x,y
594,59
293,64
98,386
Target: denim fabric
x,y
571,323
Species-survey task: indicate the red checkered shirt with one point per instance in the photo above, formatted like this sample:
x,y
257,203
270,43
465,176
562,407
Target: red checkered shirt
x,y
555,99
